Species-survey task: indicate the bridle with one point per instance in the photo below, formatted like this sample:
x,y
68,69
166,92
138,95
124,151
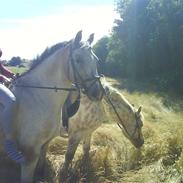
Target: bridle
x,y
79,82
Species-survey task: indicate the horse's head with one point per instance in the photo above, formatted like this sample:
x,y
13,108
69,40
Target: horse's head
x,y
127,117
133,128
83,70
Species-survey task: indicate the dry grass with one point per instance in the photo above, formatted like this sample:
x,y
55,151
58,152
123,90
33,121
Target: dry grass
x,y
114,159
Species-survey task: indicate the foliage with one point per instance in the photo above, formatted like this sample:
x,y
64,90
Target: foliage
x,y
19,70
101,50
146,43
15,61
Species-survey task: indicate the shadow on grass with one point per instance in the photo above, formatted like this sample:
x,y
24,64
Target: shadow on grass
x,y
131,86
170,98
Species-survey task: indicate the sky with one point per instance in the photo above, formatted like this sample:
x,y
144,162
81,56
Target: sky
x,y
27,27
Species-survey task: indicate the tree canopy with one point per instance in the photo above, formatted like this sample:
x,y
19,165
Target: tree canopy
x,y
146,43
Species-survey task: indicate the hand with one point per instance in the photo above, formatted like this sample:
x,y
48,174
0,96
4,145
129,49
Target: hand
x,y
17,75
14,76
7,82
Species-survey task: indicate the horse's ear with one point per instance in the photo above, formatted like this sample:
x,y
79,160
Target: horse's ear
x,y
78,38
91,38
139,110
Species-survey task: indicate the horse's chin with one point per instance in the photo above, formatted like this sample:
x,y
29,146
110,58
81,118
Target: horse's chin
x,y
137,142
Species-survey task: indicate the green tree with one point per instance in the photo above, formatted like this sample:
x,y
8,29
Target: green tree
x,y
101,50
147,42
15,61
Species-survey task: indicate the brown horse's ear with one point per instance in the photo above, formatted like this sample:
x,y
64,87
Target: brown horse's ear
x,y
91,38
139,110
77,39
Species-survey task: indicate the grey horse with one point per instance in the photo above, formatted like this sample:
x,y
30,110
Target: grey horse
x,y
41,92
92,114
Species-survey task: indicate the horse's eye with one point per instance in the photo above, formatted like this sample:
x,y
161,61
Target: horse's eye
x,y
79,61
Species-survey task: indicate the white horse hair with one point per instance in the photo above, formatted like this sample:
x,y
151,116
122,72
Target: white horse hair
x,y
37,116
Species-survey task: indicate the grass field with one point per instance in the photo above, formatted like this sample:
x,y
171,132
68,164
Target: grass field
x,y
19,70
114,159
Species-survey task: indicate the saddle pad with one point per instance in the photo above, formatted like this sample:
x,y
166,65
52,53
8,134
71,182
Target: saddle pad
x,y
69,109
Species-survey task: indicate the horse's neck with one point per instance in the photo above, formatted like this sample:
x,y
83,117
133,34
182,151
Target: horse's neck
x,y
91,108
120,103
51,71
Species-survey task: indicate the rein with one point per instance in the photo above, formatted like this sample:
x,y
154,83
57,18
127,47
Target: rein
x,y
119,118
46,87
76,84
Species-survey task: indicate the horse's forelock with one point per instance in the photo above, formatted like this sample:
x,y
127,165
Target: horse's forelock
x,y
85,45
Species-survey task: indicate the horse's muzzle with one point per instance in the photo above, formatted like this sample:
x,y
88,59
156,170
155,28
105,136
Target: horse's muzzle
x,y
138,143
95,92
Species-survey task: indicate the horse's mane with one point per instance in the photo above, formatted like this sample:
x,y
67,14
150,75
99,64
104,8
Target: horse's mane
x,y
50,50
116,95
46,53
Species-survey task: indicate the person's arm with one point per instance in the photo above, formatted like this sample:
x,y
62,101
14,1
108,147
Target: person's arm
x,y
1,79
4,79
6,72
